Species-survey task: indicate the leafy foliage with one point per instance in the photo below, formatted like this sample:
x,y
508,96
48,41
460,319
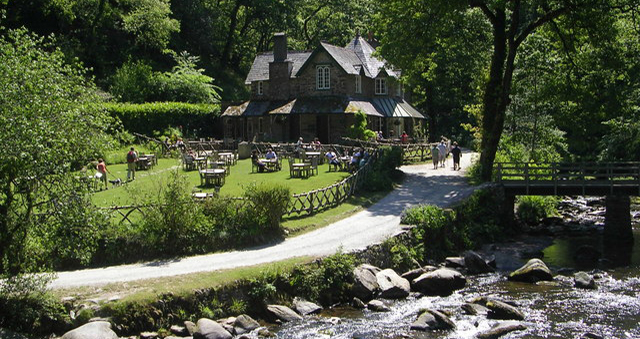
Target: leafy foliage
x,y
531,209
158,116
328,281
359,128
48,110
27,306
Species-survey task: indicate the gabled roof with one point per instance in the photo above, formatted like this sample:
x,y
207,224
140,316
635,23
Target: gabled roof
x,y
260,69
357,56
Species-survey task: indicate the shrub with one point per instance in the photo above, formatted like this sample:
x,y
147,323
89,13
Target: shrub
x,y
530,209
268,203
384,169
133,82
174,223
26,305
158,116
328,281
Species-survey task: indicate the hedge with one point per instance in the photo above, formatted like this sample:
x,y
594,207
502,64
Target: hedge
x,y
195,119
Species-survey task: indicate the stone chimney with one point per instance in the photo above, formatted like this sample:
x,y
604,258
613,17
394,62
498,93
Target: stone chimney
x,y
280,69
279,47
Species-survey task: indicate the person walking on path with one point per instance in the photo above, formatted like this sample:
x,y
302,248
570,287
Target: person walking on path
x,y
435,156
102,172
132,159
442,152
457,153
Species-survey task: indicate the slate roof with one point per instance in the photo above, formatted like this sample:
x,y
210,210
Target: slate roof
x,y
357,55
378,107
260,69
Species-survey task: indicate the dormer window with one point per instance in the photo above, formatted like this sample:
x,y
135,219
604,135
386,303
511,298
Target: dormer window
x,y
323,77
381,86
260,89
358,84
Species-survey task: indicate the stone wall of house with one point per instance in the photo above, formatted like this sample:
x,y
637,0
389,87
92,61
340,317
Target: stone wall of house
x,y
305,84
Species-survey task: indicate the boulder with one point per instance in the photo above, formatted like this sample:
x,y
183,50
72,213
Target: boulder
x,y
501,329
502,310
305,307
392,286
475,264
410,275
584,280
474,309
590,335
454,262
431,320
92,330
441,282
357,303
191,327
283,313
209,329
149,335
378,306
7,334
533,271
365,283
244,324
179,330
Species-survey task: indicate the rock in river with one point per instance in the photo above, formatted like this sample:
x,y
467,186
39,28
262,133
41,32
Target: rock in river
x,y
441,282
209,329
92,330
392,286
533,271
501,329
283,313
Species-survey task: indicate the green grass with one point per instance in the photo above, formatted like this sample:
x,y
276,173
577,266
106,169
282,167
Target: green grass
x,y
301,224
148,290
148,183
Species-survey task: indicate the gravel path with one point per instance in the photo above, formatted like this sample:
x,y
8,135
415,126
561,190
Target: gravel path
x,y
422,184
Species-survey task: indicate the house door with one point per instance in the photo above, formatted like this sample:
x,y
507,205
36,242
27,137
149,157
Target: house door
x,y
294,127
322,128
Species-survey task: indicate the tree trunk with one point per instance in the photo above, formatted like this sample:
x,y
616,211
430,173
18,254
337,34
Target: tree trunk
x,y
493,111
226,52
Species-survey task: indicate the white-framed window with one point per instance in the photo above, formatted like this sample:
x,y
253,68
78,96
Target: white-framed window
x,y
358,84
323,77
260,89
399,89
381,86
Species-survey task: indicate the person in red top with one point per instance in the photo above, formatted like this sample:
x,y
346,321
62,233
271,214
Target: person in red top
x,y
102,172
404,137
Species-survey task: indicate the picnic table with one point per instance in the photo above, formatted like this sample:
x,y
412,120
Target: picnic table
x,y
311,155
212,176
146,161
270,164
226,157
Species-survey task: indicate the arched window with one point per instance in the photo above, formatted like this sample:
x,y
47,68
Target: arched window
x,y
323,77
358,84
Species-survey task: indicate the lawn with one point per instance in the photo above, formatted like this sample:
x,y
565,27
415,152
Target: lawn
x,y
149,182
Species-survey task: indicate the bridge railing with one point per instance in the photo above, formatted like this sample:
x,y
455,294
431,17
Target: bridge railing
x,y
562,172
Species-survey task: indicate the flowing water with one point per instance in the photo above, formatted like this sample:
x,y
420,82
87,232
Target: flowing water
x,y
553,310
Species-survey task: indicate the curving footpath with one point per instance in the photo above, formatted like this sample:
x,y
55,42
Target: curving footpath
x,y
422,184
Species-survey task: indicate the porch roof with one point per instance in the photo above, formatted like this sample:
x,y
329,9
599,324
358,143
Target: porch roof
x,y
396,108
307,105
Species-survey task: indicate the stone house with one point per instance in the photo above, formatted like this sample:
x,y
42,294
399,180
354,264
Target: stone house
x,y
316,93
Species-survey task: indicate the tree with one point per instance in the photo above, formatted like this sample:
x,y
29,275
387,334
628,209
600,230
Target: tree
x,y
511,22
51,123
359,128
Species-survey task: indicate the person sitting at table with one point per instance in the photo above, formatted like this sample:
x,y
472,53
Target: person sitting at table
x,y
332,159
315,144
355,160
256,161
180,144
271,155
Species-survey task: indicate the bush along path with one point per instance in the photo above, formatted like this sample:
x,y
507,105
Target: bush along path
x,y
422,185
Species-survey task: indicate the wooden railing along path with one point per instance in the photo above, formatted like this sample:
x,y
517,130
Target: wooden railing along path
x,y
569,178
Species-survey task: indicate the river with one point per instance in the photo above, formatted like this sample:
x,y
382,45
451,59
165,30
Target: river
x,y
553,310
